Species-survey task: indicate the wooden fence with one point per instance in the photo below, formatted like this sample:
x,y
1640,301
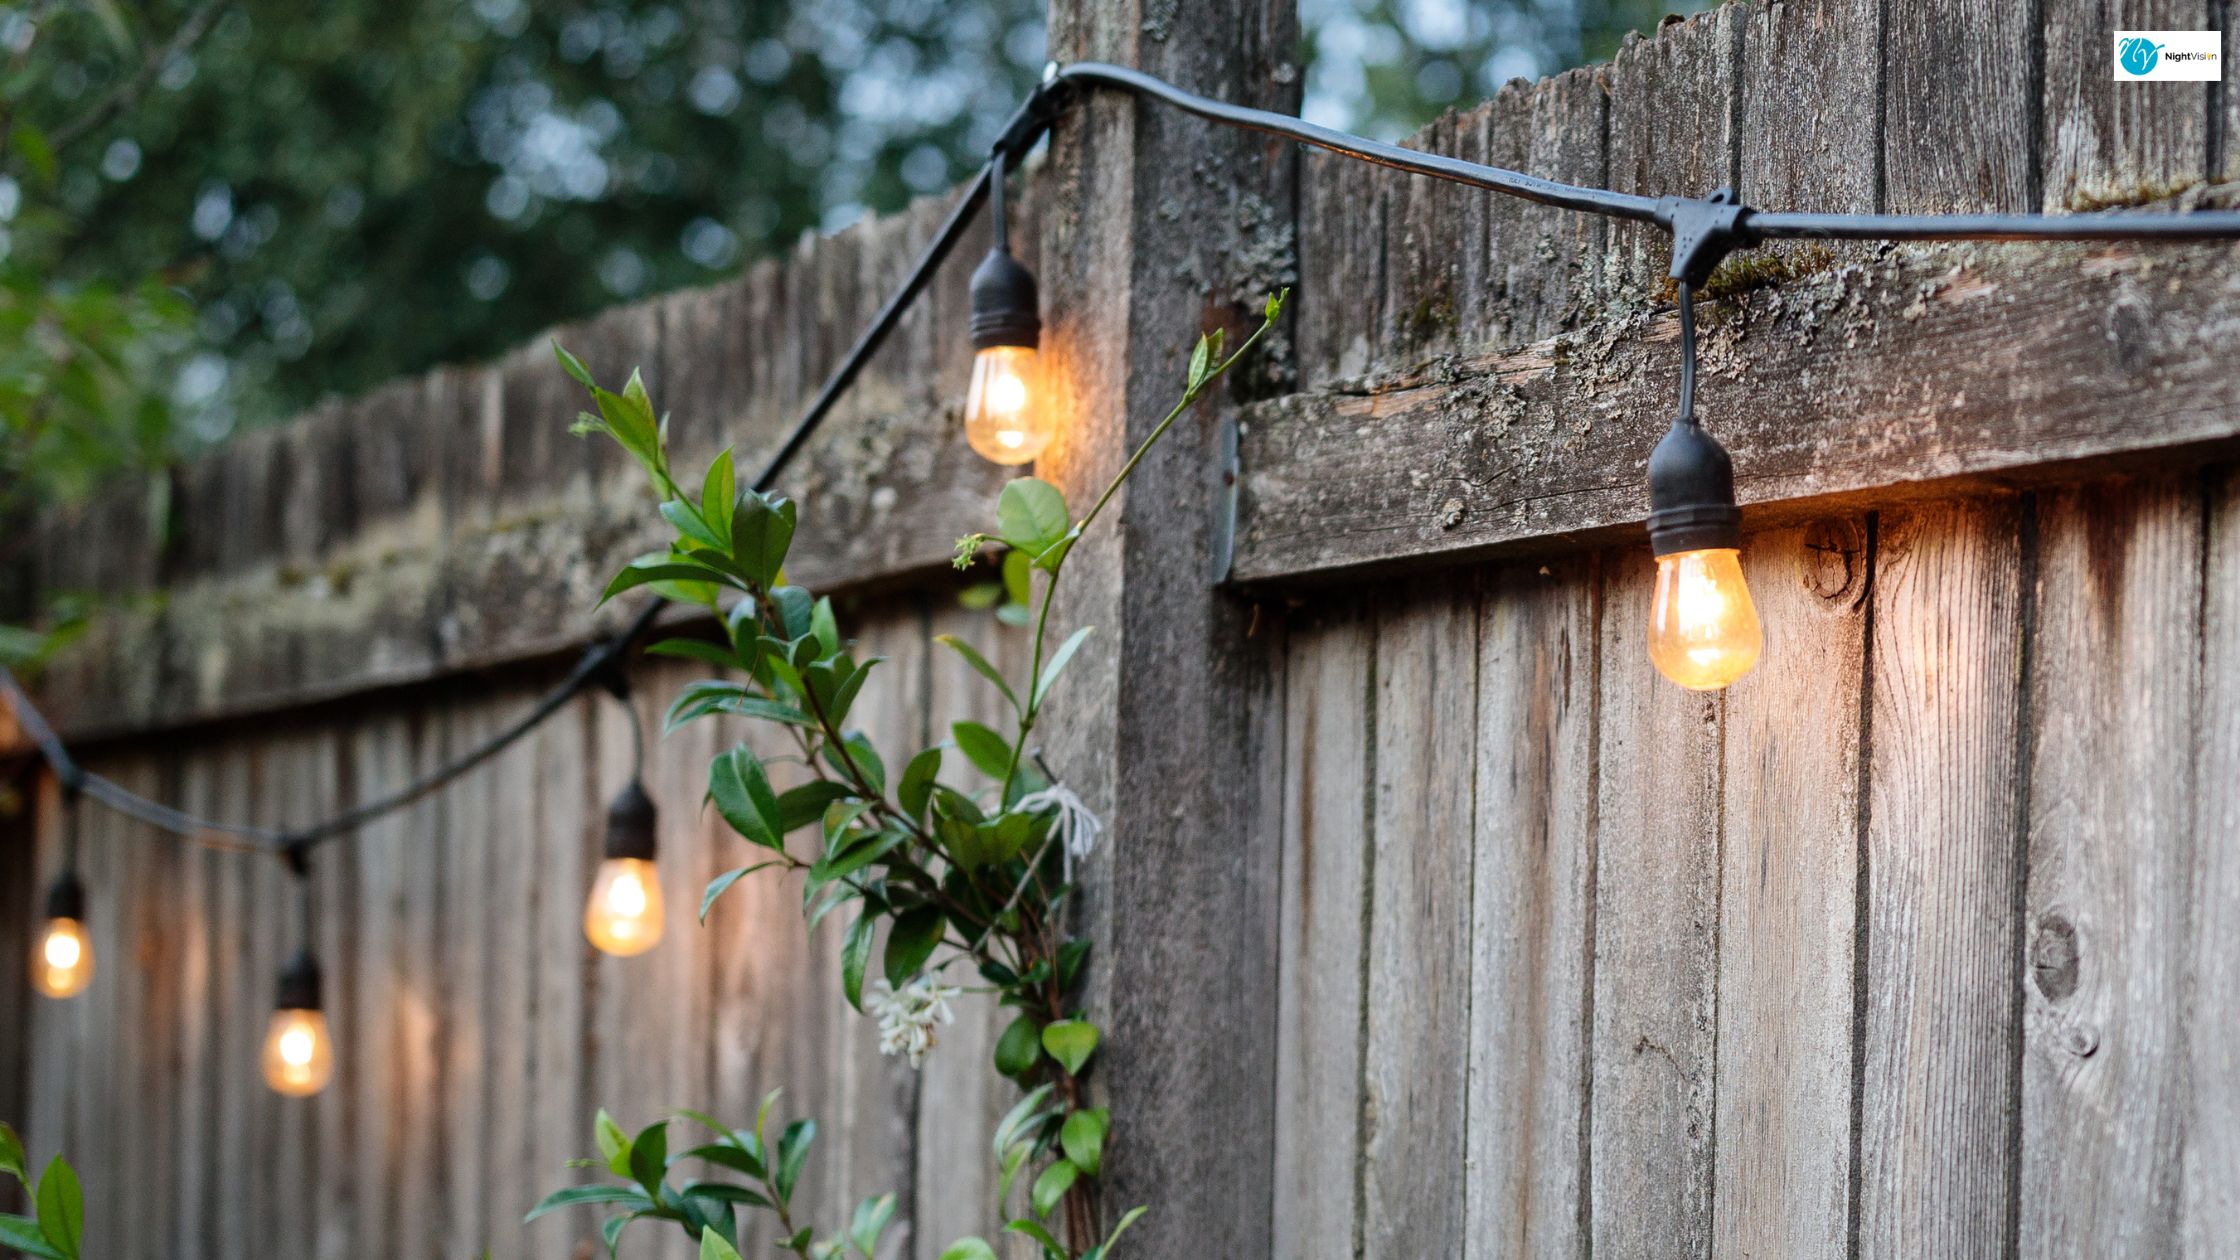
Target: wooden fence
x,y
1432,922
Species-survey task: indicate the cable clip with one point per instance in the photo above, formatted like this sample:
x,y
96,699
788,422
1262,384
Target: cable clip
x,y
1704,231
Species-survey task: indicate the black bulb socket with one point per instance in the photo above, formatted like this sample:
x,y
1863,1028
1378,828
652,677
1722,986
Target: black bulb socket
x,y
1006,309
299,984
631,824
1691,493
66,898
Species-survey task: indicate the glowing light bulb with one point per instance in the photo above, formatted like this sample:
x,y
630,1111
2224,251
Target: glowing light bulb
x,y
298,1052
1703,629
62,962
623,916
1004,419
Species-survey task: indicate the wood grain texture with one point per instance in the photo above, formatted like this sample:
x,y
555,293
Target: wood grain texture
x,y
2114,680
1419,990
1656,916
1531,936
2210,1196
1328,748
1960,107
1938,1063
2106,142
1673,100
1787,925
1917,375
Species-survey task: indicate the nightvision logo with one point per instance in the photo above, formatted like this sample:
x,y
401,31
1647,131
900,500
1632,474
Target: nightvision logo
x,y
2170,56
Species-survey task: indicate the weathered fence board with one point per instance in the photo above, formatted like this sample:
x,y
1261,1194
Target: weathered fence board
x,y
1939,967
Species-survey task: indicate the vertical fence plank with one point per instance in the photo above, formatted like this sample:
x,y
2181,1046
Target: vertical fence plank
x,y
2106,141
2114,678
1672,133
1531,922
1549,262
1419,991
1939,1035
1656,921
569,824
1328,753
2211,1203
1959,113
1789,864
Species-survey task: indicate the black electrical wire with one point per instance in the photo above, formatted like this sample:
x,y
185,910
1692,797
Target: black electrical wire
x,y
1756,225
1705,227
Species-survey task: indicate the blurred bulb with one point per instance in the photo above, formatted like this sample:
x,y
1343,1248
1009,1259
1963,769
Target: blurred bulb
x,y
623,916
1003,420
62,962
298,1052
1703,629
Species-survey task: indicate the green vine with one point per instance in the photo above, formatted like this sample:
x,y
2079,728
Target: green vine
x,y
955,877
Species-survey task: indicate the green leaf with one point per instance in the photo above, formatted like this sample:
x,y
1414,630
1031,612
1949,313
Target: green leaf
x,y
723,1192
980,663
685,519
573,366
1201,360
1070,1042
11,1154
574,1195
870,1221
22,1233
863,757
613,1143
665,566
1031,513
719,494
741,792
1018,576
985,749
1057,665
911,943
916,788
724,1155
793,1152
1082,1138
1268,315
1020,1047
855,955
713,1247
1134,1214
1052,1185
825,626
612,1231
1035,1231
1022,1114
62,1208
968,1249
649,1156
721,884
800,806
695,650
761,534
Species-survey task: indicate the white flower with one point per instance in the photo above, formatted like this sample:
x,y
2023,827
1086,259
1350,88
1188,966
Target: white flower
x,y
907,1016
1078,826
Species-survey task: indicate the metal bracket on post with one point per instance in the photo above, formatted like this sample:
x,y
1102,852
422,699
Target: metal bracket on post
x,y
1704,231
1229,466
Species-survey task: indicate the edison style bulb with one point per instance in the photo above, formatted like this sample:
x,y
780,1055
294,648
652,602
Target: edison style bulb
x,y
1004,416
623,916
62,960
1703,629
298,1052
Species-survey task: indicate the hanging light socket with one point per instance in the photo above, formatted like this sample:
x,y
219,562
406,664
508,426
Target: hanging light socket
x,y
1006,305
1691,493
300,984
66,898
632,824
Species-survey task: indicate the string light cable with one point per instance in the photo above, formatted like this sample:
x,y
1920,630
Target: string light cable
x,y
1693,500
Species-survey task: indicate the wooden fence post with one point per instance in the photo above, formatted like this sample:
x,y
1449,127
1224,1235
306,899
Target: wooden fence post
x,y
1156,225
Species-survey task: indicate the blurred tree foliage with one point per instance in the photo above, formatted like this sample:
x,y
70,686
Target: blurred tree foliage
x,y
214,212
1384,68
353,189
